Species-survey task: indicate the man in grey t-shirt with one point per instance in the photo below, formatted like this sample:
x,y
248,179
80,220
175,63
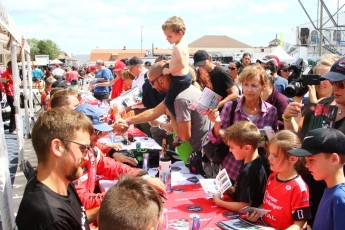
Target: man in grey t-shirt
x,y
190,125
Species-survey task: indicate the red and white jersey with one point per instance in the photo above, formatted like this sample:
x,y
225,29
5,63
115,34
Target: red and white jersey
x,y
288,201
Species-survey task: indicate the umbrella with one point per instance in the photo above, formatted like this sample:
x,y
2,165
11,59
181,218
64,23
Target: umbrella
x,y
56,61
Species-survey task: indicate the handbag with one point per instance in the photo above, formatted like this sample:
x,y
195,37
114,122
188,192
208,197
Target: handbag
x,y
213,153
195,163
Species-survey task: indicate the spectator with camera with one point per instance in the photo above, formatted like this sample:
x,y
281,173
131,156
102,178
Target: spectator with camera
x,y
293,118
323,66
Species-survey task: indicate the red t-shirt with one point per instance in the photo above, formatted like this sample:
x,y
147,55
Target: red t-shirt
x,y
9,85
117,88
288,201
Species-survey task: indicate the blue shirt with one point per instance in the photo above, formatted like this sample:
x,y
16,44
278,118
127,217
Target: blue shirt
x,y
37,73
107,76
331,210
280,84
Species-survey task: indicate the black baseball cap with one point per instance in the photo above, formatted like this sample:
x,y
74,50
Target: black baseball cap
x,y
337,72
321,140
200,57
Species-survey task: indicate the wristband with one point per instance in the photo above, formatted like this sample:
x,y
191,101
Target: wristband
x,y
159,126
286,119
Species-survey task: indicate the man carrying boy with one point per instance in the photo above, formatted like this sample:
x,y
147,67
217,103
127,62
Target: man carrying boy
x,y
324,151
243,139
174,29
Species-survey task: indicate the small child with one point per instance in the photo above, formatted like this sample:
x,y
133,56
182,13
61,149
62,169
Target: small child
x,y
286,194
243,139
324,151
174,29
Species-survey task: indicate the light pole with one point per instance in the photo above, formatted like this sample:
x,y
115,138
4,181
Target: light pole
x,y
141,41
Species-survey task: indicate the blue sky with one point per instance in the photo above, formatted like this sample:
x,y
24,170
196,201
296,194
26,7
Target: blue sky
x,y
78,26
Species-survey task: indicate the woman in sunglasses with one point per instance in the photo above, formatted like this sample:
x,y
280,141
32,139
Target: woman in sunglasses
x,y
234,69
293,119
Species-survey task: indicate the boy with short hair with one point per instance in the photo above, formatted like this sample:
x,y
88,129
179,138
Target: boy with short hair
x,y
131,204
324,151
243,139
174,29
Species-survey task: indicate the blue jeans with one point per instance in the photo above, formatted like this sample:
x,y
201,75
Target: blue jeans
x,y
179,83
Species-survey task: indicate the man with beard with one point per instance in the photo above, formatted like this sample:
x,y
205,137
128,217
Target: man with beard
x,y
61,139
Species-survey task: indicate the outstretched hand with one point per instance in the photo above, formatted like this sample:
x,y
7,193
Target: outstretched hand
x,y
125,159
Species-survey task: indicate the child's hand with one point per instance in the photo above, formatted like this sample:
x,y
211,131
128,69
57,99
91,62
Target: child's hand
x,y
217,197
166,71
252,216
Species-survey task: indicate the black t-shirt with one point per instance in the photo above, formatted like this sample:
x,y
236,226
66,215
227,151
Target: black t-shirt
x,y
250,183
221,81
151,97
42,208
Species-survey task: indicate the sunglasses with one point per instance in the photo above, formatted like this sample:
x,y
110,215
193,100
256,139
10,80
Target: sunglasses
x,y
232,68
284,70
83,148
339,84
152,82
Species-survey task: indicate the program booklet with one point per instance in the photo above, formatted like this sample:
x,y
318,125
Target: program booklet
x,y
132,97
260,211
318,116
240,224
218,185
208,100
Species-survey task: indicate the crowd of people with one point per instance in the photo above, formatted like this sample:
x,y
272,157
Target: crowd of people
x,y
297,174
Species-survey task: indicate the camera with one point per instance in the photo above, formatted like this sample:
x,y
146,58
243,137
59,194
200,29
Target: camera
x,y
300,78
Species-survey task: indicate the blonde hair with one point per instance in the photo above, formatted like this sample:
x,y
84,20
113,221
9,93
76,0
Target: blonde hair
x,y
327,60
242,133
285,141
127,75
254,72
176,25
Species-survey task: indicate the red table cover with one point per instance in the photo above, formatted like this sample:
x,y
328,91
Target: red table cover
x,y
185,200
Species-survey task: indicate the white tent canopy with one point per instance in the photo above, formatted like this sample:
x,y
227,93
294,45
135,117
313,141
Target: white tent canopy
x,y
282,54
13,42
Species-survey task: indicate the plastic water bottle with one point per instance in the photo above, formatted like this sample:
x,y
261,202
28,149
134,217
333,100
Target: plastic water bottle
x,y
165,172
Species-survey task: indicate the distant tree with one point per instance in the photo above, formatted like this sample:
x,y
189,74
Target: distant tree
x,y
47,47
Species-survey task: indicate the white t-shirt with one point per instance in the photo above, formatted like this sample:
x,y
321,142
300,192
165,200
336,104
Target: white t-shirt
x,y
140,80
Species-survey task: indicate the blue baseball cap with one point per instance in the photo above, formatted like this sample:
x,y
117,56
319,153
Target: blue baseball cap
x,y
95,116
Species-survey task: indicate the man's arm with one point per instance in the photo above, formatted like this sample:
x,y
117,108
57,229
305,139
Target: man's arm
x,y
181,128
148,115
232,95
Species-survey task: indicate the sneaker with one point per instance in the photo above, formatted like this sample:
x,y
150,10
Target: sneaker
x,y
14,132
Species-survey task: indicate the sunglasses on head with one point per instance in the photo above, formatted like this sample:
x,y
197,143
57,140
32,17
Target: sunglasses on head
x,y
339,84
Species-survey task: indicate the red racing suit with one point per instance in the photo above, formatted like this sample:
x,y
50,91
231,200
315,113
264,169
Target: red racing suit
x,y
96,168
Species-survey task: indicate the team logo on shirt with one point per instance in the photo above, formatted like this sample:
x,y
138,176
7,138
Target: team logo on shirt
x,y
288,187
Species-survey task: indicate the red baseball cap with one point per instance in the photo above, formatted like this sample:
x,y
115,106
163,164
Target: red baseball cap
x,y
119,65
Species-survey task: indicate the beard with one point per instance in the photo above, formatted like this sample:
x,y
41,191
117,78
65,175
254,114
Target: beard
x,y
74,173
71,172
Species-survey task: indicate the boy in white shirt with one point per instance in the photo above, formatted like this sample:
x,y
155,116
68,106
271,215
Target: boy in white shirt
x,y
174,29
